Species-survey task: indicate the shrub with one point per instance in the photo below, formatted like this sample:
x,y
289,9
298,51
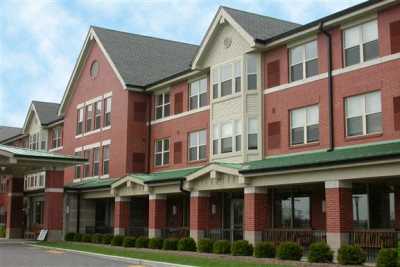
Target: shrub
x,y
187,244
264,250
221,247
156,243
117,240
242,248
142,242
351,255
129,242
2,231
387,257
86,238
97,238
320,252
205,245
68,236
77,237
289,251
170,244
107,239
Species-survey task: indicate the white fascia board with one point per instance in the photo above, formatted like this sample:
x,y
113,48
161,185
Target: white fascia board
x,y
28,117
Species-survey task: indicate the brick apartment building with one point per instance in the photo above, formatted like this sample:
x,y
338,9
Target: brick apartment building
x,y
268,130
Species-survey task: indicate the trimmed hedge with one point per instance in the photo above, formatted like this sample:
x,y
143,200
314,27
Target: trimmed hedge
x,y
320,252
86,238
117,240
187,244
97,238
289,251
222,247
129,242
387,257
77,237
242,248
68,236
107,239
142,242
2,231
205,245
156,243
351,255
264,250
170,244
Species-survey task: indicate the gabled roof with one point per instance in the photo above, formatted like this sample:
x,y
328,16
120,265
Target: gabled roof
x,y
91,184
258,26
165,176
7,132
46,111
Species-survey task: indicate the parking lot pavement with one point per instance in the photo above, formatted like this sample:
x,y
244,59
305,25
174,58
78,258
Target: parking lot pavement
x,y
13,254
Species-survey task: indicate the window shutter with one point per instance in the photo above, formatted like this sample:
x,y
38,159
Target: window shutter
x,y
178,103
177,152
395,36
274,135
140,111
138,162
273,74
396,107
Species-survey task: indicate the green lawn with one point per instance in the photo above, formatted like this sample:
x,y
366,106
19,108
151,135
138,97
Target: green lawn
x,y
154,256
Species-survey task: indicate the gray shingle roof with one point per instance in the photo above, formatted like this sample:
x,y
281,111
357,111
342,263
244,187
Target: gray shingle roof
x,y
143,60
7,132
46,111
258,26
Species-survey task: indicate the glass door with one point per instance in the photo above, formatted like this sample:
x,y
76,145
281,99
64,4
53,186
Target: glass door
x,y
236,220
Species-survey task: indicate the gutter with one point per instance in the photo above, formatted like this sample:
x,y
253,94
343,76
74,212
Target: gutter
x,y
330,88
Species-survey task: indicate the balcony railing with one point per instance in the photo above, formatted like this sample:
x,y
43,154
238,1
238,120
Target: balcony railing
x,y
175,232
137,231
303,237
224,234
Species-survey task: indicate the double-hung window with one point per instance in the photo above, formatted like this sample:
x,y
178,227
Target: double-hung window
x,y
197,145
198,94
361,43
78,167
216,138
252,135
162,105
364,114
106,160
251,67
162,152
303,61
56,142
107,112
226,137
226,79
304,125
86,166
89,117
96,161
97,115
238,136
79,121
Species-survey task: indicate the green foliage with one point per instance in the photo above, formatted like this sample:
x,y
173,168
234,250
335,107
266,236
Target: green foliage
x,y
170,244
117,240
142,242
187,244
156,243
320,252
242,248
2,231
205,245
264,250
387,257
222,247
86,238
97,238
129,242
351,255
107,239
289,251
68,236
77,237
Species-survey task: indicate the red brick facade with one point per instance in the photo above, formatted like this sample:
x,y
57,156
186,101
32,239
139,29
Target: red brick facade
x,y
121,214
157,213
199,212
256,209
339,213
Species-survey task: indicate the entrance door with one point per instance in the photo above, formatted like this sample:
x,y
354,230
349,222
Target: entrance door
x,y
236,229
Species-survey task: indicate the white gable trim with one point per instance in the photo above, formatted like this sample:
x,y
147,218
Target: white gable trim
x,y
77,68
28,116
126,179
220,17
212,169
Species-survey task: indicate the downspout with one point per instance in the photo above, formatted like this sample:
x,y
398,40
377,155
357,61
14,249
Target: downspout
x,y
330,88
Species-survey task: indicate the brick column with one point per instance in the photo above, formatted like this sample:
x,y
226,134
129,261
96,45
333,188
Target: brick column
x,y
397,207
15,206
157,214
53,205
121,215
255,213
339,213
199,210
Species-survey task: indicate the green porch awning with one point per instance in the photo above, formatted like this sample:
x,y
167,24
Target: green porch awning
x,y
165,176
92,183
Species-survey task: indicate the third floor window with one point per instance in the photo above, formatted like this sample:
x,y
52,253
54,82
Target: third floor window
x,y
198,94
304,125
97,115
162,105
226,79
57,137
79,121
162,152
107,112
197,145
89,117
303,61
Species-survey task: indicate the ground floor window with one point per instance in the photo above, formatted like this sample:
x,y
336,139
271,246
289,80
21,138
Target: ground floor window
x,y
38,211
292,210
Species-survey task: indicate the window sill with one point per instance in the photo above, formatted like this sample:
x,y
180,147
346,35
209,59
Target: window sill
x,y
227,155
299,146
226,98
92,132
362,137
78,136
197,161
56,149
105,176
106,128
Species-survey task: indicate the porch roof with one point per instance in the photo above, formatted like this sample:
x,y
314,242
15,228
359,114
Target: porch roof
x,y
91,184
174,175
345,155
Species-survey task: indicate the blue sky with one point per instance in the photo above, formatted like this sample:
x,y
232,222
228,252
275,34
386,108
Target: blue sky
x,y
40,40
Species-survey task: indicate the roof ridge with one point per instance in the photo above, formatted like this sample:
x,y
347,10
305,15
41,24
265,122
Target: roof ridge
x,y
261,15
145,36
45,102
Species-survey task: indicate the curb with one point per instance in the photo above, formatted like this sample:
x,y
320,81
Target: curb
x,y
120,258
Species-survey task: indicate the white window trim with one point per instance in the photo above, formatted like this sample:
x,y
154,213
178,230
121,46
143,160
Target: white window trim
x,y
180,115
304,61
305,142
197,146
35,177
94,161
218,67
199,94
103,159
162,152
257,133
257,58
233,136
162,105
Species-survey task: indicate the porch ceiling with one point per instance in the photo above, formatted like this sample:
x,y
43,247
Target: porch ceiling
x,y
20,161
